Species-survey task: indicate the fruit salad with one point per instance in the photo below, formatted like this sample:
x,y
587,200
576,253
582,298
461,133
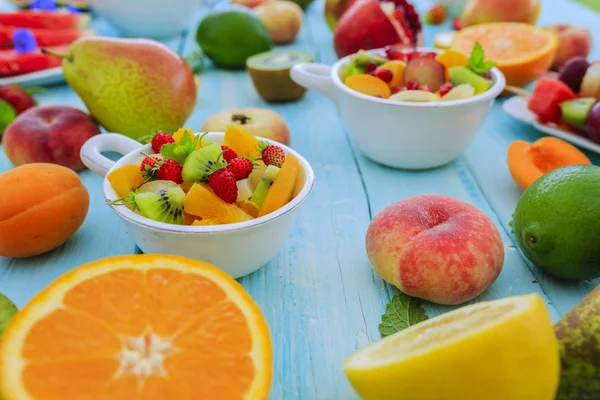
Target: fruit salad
x,y
409,75
190,180
572,101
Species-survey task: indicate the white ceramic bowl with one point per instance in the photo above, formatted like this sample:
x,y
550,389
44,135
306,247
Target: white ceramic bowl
x,y
154,19
403,135
238,249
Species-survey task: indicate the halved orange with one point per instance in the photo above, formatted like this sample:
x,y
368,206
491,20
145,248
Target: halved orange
x,y
138,327
522,52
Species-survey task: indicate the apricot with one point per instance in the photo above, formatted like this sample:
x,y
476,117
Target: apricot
x,y
41,207
529,161
369,85
397,68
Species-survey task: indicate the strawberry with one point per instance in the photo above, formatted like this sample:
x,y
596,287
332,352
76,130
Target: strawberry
x,y
148,167
272,155
169,170
223,183
160,139
228,154
240,167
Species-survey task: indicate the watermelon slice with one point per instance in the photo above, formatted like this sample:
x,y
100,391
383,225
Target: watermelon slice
x,y
14,63
78,4
43,37
45,19
546,97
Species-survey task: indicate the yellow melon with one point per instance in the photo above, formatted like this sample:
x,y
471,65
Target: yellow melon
x,y
282,190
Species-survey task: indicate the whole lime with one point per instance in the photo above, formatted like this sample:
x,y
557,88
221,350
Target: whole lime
x,y
7,310
557,222
230,35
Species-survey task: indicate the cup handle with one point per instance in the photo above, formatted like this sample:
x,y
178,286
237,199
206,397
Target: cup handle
x,y
315,76
91,151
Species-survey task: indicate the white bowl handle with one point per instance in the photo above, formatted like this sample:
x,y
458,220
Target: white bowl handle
x,y
315,76
91,151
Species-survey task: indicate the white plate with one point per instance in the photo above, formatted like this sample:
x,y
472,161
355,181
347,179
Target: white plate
x,y
517,108
46,77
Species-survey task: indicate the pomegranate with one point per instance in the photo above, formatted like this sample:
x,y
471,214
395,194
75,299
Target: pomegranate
x,y
371,24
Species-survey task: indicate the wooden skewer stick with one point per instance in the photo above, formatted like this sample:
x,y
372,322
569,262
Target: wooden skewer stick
x,y
518,91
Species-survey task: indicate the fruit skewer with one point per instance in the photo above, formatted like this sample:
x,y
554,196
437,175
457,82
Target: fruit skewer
x,y
14,63
45,20
43,37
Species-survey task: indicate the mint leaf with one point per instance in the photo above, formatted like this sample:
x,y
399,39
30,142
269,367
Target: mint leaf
x,y
7,115
477,62
400,313
178,152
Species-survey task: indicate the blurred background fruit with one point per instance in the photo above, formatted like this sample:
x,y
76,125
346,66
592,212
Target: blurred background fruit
x,y
484,11
230,35
573,41
283,19
82,5
248,3
7,311
521,51
334,9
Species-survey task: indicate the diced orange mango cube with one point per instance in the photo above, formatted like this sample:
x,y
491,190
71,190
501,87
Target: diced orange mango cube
x,y
282,190
125,179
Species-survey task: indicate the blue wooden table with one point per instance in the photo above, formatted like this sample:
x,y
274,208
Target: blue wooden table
x,y
320,296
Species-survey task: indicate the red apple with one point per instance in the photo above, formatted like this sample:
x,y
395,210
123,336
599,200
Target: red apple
x,y
371,24
257,121
334,10
484,11
17,97
282,18
435,248
49,134
573,41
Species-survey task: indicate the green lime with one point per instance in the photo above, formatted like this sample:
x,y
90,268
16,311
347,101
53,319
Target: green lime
x,y
557,222
229,36
7,310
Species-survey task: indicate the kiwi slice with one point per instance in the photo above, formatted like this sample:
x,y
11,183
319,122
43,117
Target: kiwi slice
x,y
462,75
166,205
270,74
575,112
362,58
200,163
260,193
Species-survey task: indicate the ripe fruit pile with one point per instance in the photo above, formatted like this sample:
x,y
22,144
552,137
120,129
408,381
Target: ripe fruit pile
x,y
194,181
571,101
23,33
417,76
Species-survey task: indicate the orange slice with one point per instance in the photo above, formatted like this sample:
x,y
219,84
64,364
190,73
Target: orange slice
x,y
522,51
138,327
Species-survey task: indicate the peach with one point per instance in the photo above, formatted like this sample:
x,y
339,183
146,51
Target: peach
x,y
573,41
282,18
334,9
49,134
41,207
261,122
436,248
483,11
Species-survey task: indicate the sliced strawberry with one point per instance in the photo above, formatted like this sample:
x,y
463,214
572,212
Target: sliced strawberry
x,y
12,63
45,19
43,37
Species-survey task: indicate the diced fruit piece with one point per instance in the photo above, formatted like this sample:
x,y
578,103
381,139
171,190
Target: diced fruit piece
x,y
262,189
362,58
590,86
200,163
414,96
575,112
156,186
244,190
592,124
282,189
529,161
205,222
45,20
202,202
460,75
166,205
384,74
546,97
240,141
463,91
169,170
397,68
188,218
445,89
257,174
228,154
573,71
443,40
43,37
412,85
425,71
240,167
123,180
223,183
160,139
452,58
351,69
249,207
369,85
184,131
14,63
272,155
186,186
